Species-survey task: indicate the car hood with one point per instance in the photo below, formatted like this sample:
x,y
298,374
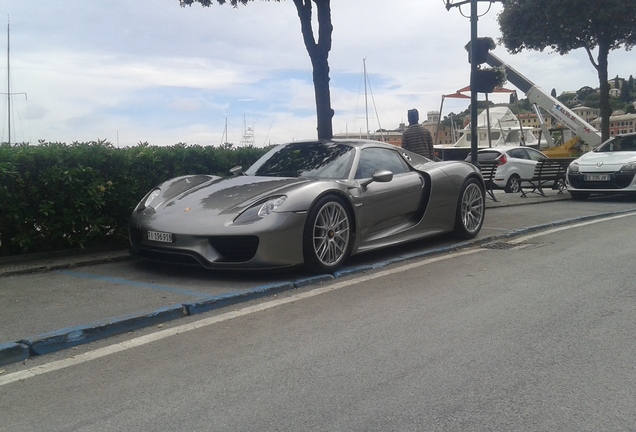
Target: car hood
x,y
604,161
216,195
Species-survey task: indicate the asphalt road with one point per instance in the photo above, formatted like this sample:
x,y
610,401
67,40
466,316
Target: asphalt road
x,y
532,334
57,302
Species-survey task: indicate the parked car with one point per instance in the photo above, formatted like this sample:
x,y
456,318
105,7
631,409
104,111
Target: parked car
x,y
312,203
609,168
515,163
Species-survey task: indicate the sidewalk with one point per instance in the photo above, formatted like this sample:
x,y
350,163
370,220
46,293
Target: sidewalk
x,y
71,314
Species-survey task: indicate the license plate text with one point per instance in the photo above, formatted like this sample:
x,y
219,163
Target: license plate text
x,y
597,177
160,236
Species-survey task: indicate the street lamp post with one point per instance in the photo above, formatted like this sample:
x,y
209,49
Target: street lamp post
x,y
474,131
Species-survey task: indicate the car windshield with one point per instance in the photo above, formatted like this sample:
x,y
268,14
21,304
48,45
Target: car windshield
x,y
305,159
618,144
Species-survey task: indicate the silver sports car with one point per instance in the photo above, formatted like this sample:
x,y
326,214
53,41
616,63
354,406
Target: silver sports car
x,y
313,203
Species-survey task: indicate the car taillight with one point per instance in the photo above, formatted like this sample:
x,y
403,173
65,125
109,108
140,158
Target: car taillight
x,y
502,159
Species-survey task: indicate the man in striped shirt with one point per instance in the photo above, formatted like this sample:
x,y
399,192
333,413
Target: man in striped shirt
x,y
417,138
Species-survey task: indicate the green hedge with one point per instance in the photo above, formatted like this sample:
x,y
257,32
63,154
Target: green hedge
x,y
56,196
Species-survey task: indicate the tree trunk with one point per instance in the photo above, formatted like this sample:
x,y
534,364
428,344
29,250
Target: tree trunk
x,y
323,97
319,55
604,104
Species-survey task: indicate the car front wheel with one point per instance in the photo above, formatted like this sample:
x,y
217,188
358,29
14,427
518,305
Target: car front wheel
x,y
471,210
327,235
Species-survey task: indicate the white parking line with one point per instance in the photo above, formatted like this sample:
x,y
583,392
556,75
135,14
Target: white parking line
x,y
566,227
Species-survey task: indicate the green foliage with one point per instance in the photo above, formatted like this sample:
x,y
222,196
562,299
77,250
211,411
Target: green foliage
x,y
482,46
592,100
486,80
568,99
56,196
626,92
457,120
584,92
207,3
566,25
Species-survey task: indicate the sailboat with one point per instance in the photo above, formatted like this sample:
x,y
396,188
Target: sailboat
x,y
381,134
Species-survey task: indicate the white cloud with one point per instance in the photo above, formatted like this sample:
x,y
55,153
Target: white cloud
x,y
152,71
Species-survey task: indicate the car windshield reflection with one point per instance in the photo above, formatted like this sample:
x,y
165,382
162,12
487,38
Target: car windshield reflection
x,y
307,160
618,144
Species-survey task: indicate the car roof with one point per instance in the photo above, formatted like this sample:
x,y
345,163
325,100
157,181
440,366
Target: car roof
x,y
502,149
361,142
353,142
412,159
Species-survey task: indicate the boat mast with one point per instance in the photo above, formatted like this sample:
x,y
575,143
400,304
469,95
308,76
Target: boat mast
x,y
8,83
366,105
224,136
9,94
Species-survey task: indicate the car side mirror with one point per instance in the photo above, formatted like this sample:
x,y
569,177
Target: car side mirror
x,y
380,176
237,170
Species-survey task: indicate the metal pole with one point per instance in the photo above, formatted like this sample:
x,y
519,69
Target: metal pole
x,y
366,105
8,86
473,93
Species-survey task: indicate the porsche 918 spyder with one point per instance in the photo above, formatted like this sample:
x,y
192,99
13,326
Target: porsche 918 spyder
x,y
311,203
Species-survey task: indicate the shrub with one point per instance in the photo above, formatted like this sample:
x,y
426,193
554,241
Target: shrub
x,y
56,196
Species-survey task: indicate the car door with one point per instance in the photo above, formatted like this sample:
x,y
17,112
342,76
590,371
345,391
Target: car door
x,y
523,163
389,205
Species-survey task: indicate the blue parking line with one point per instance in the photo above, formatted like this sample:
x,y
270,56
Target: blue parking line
x,y
151,286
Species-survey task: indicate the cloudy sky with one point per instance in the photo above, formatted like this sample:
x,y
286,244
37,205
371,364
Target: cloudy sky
x,y
151,71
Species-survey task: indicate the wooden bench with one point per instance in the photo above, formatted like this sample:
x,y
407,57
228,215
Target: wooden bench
x,y
547,172
488,170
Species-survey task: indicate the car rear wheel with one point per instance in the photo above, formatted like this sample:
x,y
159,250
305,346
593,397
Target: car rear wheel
x,y
471,210
513,185
327,235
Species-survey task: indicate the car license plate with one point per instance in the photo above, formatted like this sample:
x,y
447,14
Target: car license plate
x,y
160,236
597,177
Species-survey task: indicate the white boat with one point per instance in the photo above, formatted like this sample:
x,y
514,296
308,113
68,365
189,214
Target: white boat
x,y
496,126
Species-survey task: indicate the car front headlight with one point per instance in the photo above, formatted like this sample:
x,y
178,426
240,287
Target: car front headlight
x,y
153,198
574,167
630,167
150,201
260,210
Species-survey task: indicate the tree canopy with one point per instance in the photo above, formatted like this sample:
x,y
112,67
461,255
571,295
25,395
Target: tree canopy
x,y
566,25
318,52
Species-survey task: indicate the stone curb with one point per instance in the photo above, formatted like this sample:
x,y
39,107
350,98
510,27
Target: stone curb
x,y
69,337
72,336
13,353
